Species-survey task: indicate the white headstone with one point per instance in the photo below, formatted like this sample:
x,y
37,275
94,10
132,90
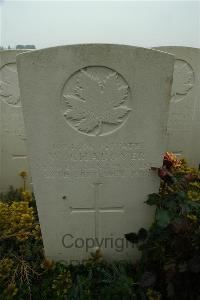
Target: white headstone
x,y
96,119
184,117
13,157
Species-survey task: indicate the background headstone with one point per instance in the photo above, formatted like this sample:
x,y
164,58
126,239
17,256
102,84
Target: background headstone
x,y
13,155
184,116
96,118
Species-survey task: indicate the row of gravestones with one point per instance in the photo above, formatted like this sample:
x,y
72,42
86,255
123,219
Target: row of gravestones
x,y
97,118
183,123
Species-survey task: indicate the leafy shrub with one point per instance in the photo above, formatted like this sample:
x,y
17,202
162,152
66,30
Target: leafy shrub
x,y
170,249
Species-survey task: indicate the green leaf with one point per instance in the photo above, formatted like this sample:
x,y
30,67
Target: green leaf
x,y
142,234
162,217
153,199
181,196
131,237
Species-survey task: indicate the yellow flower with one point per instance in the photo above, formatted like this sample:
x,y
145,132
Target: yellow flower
x,y
26,195
192,217
22,236
11,290
37,227
195,185
153,295
193,195
26,217
17,220
47,264
64,279
23,174
6,267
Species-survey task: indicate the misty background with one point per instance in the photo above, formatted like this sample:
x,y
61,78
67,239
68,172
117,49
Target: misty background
x,y
142,23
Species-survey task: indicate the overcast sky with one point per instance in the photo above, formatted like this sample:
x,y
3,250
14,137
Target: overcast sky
x,y
50,23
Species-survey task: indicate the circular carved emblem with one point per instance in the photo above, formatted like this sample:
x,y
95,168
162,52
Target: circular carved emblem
x,y
96,101
183,80
9,87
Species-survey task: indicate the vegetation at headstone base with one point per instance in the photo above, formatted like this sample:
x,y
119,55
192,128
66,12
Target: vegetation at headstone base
x,y
170,249
169,267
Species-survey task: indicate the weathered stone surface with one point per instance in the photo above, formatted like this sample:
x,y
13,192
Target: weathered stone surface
x,y
96,119
13,157
184,117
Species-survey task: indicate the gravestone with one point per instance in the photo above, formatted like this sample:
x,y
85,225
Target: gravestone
x,y
13,156
184,116
96,119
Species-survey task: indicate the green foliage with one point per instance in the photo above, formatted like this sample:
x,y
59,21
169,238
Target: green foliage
x,y
162,217
25,273
11,195
170,260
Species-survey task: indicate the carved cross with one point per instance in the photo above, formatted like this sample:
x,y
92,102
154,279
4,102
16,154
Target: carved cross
x,y
97,209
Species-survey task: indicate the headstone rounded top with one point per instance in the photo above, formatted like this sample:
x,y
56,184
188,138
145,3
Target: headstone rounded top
x,y
9,87
13,151
184,117
94,46
163,48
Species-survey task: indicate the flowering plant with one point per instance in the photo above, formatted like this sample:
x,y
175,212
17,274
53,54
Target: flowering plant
x,y
171,247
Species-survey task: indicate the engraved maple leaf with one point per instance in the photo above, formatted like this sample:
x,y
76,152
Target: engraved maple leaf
x,y
96,102
183,78
9,89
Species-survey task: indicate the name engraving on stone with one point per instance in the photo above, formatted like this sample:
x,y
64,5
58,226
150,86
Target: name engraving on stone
x,y
113,160
96,101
